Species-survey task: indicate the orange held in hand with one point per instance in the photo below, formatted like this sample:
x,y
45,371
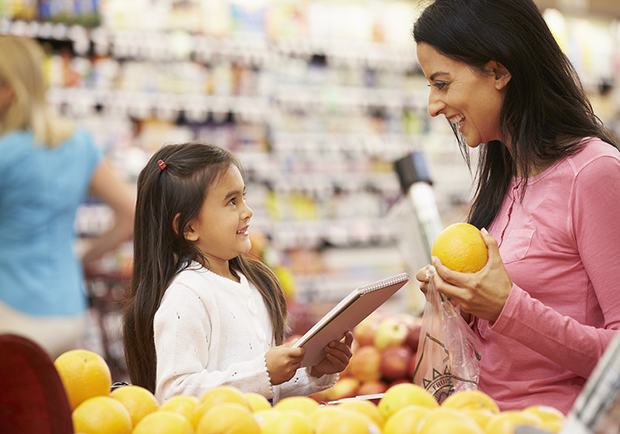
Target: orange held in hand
x,y
460,247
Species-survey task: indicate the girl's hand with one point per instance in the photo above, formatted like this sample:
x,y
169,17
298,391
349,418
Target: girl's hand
x,y
283,361
337,356
482,294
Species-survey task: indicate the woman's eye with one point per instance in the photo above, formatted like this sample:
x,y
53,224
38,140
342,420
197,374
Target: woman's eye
x,y
440,84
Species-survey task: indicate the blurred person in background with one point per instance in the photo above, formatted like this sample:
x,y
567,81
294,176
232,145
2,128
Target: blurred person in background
x,y
47,169
547,303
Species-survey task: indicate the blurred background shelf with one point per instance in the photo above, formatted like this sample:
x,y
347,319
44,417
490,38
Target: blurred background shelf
x,y
317,98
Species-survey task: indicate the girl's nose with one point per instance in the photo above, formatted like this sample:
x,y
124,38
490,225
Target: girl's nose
x,y
248,213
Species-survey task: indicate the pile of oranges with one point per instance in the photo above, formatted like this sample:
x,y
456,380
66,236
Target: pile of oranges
x,y
405,408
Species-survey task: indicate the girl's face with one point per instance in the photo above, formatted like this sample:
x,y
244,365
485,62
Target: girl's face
x,y
469,99
221,229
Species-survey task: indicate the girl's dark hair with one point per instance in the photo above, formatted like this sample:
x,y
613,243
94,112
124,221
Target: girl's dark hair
x,y
545,112
160,251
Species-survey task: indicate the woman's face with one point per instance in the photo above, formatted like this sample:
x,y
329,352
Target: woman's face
x,y
469,99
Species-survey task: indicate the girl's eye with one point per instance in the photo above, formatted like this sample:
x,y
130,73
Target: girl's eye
x,y
232,201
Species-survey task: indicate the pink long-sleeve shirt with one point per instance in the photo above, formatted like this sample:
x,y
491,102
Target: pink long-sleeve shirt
x,y
561,247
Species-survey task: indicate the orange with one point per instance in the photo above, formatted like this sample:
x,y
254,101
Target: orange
x,y
84,374
506,421
440,416
182,404
402,395
163,422
228,418
287,423
461,248
217,395
137,400
101,415
323,414
349,422
552,418
405,420
257,401
470,399
454,426
263,417
365,407
481,417
301,404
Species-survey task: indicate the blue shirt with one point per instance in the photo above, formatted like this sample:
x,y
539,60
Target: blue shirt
x,y
41,189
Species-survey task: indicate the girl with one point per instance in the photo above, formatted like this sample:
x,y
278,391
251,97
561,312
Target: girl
x,y
200,313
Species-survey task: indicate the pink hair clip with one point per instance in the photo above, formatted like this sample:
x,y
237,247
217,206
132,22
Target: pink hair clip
x,y
162,165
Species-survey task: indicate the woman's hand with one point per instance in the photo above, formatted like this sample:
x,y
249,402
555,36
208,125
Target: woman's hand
x,y
482,294
283,361
337,356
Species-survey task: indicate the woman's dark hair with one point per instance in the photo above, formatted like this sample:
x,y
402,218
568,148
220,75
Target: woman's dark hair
x,y
545,112
161,251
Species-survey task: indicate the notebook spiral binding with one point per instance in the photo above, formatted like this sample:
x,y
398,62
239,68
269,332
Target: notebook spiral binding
x,y
384,283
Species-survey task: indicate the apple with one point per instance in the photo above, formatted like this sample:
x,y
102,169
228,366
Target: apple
x,y
395,362
366,363
372,387
321,396
392,332
402,380
413,337
344,388
364,333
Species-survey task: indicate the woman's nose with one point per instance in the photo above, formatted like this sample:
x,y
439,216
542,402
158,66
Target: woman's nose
x,y
435,105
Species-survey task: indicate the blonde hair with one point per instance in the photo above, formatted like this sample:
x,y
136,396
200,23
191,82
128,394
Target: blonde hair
x,y
21,70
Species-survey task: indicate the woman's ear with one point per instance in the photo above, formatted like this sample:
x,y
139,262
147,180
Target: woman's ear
x,y
188,232
501,74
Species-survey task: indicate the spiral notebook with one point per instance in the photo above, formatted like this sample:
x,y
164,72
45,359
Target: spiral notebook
x,y
356,306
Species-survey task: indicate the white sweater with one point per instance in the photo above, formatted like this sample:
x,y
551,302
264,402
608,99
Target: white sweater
x,y
211,331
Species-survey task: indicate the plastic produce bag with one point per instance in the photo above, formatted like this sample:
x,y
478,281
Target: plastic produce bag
x,y
449,352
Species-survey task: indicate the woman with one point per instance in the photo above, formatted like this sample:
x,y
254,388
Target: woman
x,y
547,303
46,170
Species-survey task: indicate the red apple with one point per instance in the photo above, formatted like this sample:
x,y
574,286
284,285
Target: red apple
x,y
395,362
402,380
372,387
413,337
344,388
364,333
365,364
392,332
